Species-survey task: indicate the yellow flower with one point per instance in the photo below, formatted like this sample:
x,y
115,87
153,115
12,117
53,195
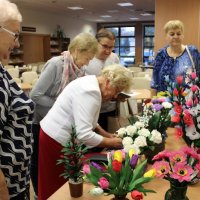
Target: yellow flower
x,y
131,153
118,155
150,173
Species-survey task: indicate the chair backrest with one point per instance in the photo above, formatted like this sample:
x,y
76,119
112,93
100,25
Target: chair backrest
x,y
9,66
142,74
135,69
28,77
14,72
141,83
17,80
34,81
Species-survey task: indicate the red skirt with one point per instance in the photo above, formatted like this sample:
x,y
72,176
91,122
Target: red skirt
x,y
49,179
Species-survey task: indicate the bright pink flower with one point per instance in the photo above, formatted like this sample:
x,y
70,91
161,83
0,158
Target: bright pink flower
x,y
190,152
136,195
86,169
182,172
103,183
196,101
178,156
189,103
194,88
162,168
193,75
179,79
178,132
175,119
162,155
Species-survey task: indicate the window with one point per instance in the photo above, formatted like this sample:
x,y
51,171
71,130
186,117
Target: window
x,y
148,43
125,43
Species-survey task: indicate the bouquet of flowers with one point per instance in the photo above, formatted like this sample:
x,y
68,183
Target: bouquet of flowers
x,y
120,176
180,167
185,97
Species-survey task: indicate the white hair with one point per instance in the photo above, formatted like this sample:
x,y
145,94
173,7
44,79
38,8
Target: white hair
x,y
9,11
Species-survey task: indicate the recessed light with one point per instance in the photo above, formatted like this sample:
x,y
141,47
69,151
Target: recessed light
x,y
145,14
75,8
105,16
125,4
134,18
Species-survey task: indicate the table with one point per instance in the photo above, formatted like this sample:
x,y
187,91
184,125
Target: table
x,y
159,185
141,94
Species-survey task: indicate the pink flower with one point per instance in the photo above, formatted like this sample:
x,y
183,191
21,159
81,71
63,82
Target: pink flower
x,y
178,156
175,92
191,152
197,167
178,132
86,169
193,75
162,155
175,119
103,183
182,172
194,88
179,79
162,168
189,103
188,118
136,195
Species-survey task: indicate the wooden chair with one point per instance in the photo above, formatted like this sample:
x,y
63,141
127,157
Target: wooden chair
x,y
29,77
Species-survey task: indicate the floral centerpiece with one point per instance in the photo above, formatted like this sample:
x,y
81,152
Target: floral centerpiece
x,y
72,156
179,167
120,176
185,97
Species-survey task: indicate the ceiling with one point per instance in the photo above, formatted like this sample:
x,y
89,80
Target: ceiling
x,y
94,9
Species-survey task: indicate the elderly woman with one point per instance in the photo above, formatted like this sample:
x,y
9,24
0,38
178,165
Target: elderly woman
x,y
79,105
57,73
173,59
16,115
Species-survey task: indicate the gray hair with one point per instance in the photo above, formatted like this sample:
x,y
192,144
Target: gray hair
x,y
174,24
84,42
119,76
9,11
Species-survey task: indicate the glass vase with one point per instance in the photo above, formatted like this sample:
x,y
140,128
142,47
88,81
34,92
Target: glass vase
x,y
176,193
118,197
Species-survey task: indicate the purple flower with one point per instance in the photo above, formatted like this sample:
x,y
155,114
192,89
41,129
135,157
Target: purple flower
x,y
157,107
133,161
97,166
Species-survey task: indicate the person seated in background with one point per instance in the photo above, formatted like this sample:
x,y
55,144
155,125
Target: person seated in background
x,y
16,115
104,57
174,59
78,105
56,74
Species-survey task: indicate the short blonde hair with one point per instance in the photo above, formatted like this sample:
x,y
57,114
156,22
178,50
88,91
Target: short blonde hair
x,y
84,42
119,76
174,24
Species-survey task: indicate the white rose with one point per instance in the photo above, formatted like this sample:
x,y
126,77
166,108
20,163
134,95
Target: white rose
x,y
127,141
127,148
139,125
166,105
96,191
121,132
131,130
155,137
144,132
140,141
192,133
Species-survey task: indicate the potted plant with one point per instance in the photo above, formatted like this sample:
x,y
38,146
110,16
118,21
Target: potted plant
x,y
72,159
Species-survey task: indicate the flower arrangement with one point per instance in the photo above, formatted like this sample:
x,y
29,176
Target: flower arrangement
x,y
185,97
180,167
72,158
121,175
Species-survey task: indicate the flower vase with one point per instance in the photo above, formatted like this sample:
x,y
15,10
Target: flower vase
x,y
176,193
76,188
122,197
149,154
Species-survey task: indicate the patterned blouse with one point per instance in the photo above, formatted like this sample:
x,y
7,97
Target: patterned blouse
x,y
15,134
166,65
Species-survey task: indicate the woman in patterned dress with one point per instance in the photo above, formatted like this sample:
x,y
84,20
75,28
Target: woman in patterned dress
x,y
16,115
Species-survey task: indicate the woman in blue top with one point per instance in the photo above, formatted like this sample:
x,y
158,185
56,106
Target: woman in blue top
x,y
173,59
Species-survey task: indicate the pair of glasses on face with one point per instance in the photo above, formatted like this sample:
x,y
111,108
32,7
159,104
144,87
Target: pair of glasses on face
x,y
107,47
15,35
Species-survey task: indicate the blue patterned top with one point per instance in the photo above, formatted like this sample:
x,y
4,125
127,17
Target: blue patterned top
x,y
15,134
166,65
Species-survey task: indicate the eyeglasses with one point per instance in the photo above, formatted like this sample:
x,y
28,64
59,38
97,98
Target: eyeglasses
x,y
106,46
15,35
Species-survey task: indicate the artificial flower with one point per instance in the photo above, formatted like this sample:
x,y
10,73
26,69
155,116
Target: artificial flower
x,y
150,173
136,195
103,183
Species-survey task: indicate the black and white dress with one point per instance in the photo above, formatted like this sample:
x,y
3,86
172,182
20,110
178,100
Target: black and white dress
x,y
16,113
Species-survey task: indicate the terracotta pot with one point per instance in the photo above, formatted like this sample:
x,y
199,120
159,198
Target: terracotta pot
x,y
76,188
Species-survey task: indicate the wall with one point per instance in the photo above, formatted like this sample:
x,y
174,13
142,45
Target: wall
x,y
187,11
46,23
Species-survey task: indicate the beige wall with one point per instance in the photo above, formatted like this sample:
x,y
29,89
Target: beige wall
x,y
187,11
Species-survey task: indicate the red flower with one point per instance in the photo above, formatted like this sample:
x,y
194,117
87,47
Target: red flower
x,y
175,119
179,79
187,118
178,108
178,132
136,195
175,91
116,165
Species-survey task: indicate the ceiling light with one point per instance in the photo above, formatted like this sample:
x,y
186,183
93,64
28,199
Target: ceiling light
x,y
125,4
134,18
75,8
113,11
145,14
105,16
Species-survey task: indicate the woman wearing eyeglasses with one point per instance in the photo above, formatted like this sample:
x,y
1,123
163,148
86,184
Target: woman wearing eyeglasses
x,y
104,57
16,115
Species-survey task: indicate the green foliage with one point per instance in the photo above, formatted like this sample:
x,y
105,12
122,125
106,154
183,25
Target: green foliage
x,y
72,156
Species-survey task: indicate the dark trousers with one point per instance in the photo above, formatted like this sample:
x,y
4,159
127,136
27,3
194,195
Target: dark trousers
x,y
34,158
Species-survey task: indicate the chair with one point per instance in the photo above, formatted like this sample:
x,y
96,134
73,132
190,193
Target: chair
x,y
141,83
17,80
8,66
28,77
34,81
14,72
142,74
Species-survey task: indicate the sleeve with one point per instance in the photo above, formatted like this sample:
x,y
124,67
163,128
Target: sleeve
x,y
45,82
156,70
196,57
4,103
86,110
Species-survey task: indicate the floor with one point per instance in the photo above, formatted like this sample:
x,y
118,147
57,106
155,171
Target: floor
x,y
31,192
